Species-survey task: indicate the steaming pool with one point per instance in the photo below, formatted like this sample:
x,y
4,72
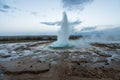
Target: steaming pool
x,y
10,51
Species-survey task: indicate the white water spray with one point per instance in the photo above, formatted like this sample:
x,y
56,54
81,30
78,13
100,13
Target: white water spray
x,y
63,34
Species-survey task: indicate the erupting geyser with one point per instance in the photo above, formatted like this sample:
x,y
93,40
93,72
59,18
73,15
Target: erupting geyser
x,y
63,34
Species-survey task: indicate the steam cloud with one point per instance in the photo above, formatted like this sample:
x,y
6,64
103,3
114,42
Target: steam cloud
x,y
93,34
59,23
75,4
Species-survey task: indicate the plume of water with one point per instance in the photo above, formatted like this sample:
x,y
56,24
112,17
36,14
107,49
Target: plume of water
x,y
63,34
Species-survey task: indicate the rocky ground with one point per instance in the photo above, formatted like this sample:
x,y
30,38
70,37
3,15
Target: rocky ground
x,y
34,61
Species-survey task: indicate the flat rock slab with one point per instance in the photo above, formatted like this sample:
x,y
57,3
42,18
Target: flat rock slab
x,y
82,60
82,78
24,65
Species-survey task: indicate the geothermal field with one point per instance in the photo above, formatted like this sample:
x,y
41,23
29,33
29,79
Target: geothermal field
x,y
59,39
35,61
64,59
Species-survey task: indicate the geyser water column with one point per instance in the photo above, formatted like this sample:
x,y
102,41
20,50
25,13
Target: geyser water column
x,y
63,34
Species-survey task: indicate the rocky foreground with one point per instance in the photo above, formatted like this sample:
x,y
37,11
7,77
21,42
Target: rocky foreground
x,y
34,61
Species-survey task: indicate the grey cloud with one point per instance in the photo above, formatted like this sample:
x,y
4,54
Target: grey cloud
x,y
6,6
75,4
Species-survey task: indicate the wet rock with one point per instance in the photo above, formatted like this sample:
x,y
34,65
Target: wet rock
x,y
82,78
99,59
4,53
107,63
1,73
116,67
78,61
42,60
104,55
22,47
54,63
24,65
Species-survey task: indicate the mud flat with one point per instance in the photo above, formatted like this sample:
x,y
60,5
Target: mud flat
x,y
33,61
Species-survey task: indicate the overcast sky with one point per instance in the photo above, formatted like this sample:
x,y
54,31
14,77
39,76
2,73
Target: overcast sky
x,y
24,16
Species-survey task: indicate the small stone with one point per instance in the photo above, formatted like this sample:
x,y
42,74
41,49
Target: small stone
x,y
107,63
31,66
112,59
